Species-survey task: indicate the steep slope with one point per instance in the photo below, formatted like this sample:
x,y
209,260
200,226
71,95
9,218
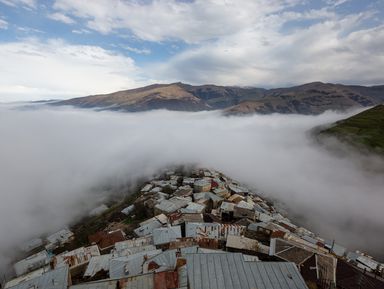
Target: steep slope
x,y
363,130
312,98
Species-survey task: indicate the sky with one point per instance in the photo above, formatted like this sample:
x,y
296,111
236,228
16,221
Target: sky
x,y
65,48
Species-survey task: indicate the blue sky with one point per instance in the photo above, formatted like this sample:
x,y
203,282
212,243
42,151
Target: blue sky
x,y
67,48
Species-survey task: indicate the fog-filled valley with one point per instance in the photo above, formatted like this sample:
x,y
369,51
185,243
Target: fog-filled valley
x,y
55,163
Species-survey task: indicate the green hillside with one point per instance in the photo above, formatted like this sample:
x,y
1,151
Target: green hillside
x,y
365,129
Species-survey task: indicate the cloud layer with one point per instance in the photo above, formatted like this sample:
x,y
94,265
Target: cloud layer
x,y
52,160
33,70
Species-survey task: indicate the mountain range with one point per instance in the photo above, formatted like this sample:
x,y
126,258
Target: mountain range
x,y
310,98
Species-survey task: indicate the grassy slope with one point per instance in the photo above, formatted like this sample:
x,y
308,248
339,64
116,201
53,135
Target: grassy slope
x,y
365,129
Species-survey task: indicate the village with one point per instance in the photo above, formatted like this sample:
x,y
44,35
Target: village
x,y
192,230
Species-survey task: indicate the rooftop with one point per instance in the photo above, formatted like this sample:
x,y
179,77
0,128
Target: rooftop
x,y
230,271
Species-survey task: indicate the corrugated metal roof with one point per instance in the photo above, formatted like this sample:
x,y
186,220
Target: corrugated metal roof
x,y
202,182
96,264
32,262
146,188
193,208
128,210
207,196
129,247
26,277
165,261
369,262
209,251
242,243
104,284
250,258
173,204
226,206
213,230
145,281
244,205
132,250
76,257
60,237
230,271
55,279
188,250
335,248
146,227
166,235
130,265
237,189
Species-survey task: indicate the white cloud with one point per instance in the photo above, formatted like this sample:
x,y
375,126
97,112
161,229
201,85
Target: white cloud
x,y
333,51
35,69
136,50
29,4
81,31
336,2
61,17
170,19
3,24
244,42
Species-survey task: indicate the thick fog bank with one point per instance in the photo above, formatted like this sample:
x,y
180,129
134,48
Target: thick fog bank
x,y
51,158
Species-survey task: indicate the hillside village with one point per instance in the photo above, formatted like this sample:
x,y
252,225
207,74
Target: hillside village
x,y
195,230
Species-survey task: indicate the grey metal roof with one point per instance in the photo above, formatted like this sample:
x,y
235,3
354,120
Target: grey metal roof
x,y
96,264
32,262
230,271
129,247
166,235
130,265
60,237
335,248
132,250
55,279
207,196
146,228
193,208
166,261
144,281
173,204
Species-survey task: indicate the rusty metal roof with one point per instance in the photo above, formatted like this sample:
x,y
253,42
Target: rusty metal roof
x,y
76,257
106,239
213,230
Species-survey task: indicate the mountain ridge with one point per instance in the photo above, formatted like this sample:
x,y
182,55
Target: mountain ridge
x,y
309,98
